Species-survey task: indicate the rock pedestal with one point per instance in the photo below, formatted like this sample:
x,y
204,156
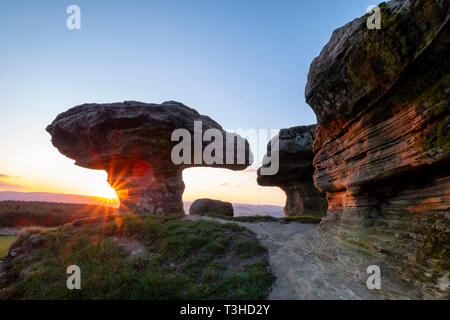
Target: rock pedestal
x,y
295,172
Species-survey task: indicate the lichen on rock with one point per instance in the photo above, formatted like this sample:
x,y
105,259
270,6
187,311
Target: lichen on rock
x,y
382,143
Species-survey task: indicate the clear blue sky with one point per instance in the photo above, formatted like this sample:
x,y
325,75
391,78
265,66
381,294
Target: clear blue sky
x,y
244,63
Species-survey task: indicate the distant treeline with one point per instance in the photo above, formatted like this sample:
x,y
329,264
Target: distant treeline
x,y
46,214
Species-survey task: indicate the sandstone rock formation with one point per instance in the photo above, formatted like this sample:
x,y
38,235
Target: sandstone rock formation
x,y
295,172
382,147
204,206
131,141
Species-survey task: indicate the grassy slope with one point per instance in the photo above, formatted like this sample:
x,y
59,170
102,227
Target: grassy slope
x,y
5,243
184,260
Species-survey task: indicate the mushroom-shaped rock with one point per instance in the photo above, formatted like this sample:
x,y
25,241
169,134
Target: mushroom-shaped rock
x,y
144,148
295,173
204,206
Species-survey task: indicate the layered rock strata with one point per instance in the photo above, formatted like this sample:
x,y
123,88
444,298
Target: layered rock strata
x,y
382,147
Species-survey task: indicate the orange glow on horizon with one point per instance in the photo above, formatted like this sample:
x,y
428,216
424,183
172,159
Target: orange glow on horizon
x,y
221,184
228,185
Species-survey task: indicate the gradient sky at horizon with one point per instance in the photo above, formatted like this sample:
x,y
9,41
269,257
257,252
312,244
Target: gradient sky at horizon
x,y
243,63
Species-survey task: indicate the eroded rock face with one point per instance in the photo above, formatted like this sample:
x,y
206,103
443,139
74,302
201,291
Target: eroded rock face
x,y
205,206
295,172
131,141
383,145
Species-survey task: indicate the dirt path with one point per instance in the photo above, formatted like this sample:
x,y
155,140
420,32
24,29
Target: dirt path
x,y
308,265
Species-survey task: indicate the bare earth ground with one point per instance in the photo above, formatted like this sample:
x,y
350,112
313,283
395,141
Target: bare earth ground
x,y
309,265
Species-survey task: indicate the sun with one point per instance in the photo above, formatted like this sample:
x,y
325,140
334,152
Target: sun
x,y
108,193
101,188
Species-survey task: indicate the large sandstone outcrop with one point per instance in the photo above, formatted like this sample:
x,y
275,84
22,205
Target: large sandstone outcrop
x,y
382,145
131,141
295,172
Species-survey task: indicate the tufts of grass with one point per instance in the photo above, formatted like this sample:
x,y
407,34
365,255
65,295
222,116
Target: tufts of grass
x,y
246,249
184,260
5,243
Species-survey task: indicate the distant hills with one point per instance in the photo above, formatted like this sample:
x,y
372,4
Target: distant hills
x,y
55,197
240,209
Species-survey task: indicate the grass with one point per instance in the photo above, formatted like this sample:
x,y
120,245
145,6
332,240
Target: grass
x,y
246,248
299,219
46,214
183,260
49,214
5,243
